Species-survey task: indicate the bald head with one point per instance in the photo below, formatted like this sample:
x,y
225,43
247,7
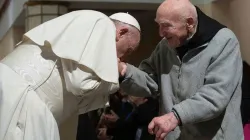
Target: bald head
x,y
177,20
179,9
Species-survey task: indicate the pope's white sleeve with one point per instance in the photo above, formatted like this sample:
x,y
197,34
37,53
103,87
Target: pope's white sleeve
x,y
79,79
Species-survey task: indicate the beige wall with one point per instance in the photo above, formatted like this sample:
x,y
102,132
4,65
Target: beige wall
x,y
12,37
240,17
232,13
236,15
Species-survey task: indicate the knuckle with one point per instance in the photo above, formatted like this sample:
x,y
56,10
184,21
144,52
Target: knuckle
x,y
165,130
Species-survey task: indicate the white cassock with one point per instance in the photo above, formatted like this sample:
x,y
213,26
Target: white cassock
x,y
64,66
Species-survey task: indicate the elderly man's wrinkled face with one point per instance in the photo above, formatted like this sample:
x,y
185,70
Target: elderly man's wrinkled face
x,y
172,28
127,40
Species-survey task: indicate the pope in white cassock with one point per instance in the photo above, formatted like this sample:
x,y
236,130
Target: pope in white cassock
x,y
64,66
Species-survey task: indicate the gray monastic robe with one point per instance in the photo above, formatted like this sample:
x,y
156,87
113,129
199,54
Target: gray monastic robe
x,y
204,88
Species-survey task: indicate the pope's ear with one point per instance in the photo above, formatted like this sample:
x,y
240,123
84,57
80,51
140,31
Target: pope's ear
x,y
123,31
117,38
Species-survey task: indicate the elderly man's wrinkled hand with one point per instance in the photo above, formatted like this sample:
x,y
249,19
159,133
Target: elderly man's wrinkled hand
x,y
122,67
161,126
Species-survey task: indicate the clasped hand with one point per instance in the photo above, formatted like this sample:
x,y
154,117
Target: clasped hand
x,y
122,67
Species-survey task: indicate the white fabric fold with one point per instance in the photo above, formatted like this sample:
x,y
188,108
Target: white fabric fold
x,y
85,36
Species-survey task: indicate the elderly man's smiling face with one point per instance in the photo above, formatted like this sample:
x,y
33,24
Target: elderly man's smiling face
x,y
173,25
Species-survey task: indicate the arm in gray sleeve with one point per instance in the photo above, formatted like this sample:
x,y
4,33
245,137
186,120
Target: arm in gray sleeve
x,y
142,81
221,80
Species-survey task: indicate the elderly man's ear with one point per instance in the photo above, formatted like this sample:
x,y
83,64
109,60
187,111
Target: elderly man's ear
x,y
190,23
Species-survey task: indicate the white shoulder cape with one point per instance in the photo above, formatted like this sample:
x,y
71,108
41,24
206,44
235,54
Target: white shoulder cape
x,y
85,36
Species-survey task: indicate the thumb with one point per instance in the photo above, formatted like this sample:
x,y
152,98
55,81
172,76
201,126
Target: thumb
x,y
124,69
119,60
112,112
151,127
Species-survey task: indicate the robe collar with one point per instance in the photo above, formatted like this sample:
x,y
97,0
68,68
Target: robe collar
x,y
207,28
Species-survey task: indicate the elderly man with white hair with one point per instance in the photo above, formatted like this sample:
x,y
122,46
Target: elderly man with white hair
x,y
63,66
197,69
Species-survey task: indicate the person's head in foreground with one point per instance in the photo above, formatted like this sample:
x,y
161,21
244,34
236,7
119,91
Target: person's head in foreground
x,y
177,20
127,34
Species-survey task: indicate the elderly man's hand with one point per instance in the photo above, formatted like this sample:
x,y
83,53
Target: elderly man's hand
x,y
161,126
122,67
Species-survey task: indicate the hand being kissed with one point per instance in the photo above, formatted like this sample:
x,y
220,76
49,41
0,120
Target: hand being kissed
x,y
122,67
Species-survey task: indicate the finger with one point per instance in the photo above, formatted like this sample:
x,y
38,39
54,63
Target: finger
x,y
163,135
105,115
100,132
124,69
158,133
112,112
109,116
105,118
151,127
159,138
123,72
156,128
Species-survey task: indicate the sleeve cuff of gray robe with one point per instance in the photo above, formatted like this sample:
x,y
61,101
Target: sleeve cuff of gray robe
x,y
182,113
177,117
